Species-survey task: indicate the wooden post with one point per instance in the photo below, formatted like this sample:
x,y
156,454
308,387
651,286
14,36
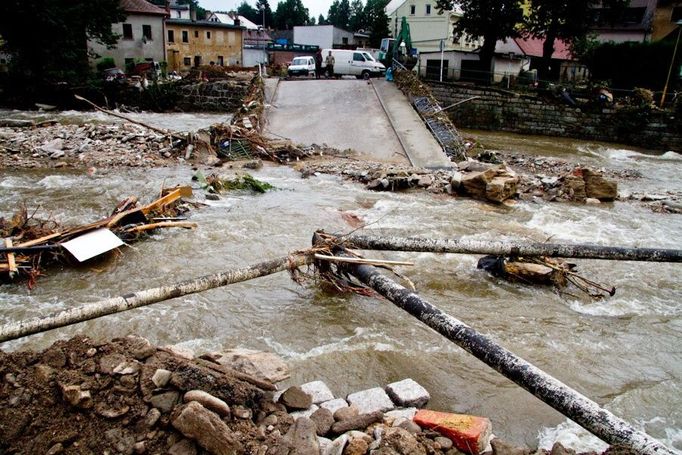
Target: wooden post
x,y
147,297
569,402
525,249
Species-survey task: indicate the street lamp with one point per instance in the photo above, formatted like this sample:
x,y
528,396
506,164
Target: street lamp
x,y
672,62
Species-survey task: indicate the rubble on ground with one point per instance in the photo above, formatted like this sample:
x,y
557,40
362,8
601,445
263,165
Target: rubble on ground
x,y
130,397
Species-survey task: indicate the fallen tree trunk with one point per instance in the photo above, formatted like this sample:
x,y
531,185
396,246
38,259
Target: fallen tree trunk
x,y
460,246
147,297
564,399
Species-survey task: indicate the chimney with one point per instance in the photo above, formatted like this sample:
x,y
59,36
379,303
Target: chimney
x,y
192,13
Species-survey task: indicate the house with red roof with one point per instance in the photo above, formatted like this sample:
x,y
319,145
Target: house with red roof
x,y
142,35
523,54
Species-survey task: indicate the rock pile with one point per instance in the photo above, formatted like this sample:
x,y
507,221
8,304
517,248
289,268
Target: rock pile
x,y
86,145
494,183
130,397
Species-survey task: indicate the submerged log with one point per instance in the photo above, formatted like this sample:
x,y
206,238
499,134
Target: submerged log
x,y
147,297
564,399
527,249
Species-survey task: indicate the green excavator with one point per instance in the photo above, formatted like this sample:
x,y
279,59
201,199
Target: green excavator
x,y
399,49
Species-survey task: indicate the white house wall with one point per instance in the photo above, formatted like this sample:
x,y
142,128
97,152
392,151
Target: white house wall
x,y
136,48
252,57
315,35
454,59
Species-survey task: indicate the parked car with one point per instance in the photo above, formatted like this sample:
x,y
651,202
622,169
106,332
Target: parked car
x,y
301,66
355,63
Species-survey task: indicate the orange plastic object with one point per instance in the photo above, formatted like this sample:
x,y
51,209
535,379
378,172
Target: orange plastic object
x,y
470,434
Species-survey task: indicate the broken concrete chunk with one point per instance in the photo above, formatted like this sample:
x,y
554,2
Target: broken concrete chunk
x,y
597,187
161,377
76,397
335,404
305,413
407,414
408,393
262,365
208,401
371,400
318,391
302,437
205,427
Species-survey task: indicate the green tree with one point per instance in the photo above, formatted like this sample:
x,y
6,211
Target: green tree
x,y
321,20
264,5
357,16
290,13
249,12
376,21
566,20
48,38
491,20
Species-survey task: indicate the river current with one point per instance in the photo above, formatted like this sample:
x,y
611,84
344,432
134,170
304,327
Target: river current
x,y
624,352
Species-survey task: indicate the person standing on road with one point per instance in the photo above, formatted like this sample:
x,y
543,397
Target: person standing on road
x,y
318,63
329,62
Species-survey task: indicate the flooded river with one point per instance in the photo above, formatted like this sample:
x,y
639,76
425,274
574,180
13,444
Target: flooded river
x,y
624,352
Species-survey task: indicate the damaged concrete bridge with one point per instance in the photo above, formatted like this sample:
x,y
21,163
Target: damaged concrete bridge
x,y
373,118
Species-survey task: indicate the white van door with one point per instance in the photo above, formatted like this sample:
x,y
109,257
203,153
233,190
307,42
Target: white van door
x,y
358,64
342,61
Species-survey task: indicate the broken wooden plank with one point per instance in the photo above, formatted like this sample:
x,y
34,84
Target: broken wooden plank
x,y
161,224
11,263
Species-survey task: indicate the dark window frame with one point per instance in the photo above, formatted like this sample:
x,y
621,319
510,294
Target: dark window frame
x,y
171,36
208,35
147,32
187,61
128,31
413,10
185,36
428,9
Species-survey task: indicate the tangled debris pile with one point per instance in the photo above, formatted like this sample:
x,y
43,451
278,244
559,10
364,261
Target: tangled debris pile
x,y
215,184
31,243
128,396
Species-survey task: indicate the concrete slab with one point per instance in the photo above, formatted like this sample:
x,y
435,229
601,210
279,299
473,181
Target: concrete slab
x,y
422,148
318,390
341,113
335,404
371,400
408,393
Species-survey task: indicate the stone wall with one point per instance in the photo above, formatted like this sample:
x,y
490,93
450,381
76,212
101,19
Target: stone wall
x,y
218,96
502,110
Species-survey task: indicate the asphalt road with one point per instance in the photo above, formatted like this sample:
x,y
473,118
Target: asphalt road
x,y
342,113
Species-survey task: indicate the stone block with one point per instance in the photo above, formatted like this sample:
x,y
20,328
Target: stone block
x,y
305,413
335,404
319,391
407,413
371,400
408,393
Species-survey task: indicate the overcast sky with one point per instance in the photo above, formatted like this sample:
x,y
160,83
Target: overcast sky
x,y
316,7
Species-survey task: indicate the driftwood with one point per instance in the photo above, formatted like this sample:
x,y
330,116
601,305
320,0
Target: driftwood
x,y
564,399
514,249
136,122
147,297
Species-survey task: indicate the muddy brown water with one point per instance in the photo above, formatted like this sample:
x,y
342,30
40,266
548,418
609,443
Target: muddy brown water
x,y
624,352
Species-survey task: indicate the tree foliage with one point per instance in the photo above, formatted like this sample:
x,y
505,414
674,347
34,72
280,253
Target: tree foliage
x,y
566,20
376,21
264,5
48,38
290,13
357,16
491,20
249,12
321,20
339,14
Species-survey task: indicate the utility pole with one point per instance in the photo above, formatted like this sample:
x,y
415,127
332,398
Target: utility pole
x,y
672,63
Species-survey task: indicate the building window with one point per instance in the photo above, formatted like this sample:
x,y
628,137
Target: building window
x,y
171,36
428,10
196,33
344,40
147,32
179,14
187,61
413,9
221,61
185,36
127,31
208,35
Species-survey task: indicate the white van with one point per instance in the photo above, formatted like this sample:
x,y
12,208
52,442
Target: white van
x,y
354,63
301,66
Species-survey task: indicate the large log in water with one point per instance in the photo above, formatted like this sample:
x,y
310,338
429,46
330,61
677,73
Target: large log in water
x,y
564,399
149,296
523,249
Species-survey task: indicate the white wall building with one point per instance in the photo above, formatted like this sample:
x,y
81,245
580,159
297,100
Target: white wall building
x,y
324,36
142,35
427,27
232,19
